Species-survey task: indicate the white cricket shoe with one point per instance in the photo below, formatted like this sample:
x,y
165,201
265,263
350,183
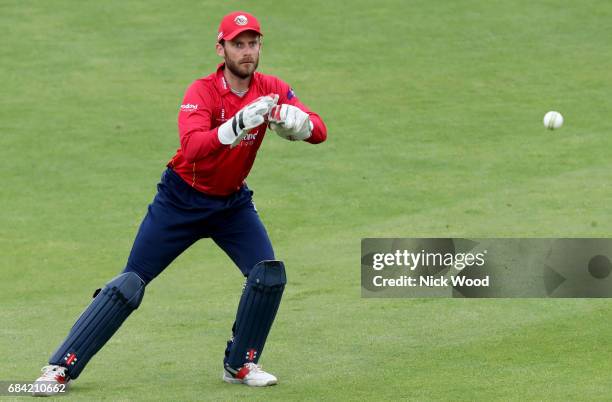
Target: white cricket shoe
x,y
250,374
53,381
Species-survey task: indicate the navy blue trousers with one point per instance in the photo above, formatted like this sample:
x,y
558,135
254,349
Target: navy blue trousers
x,y
180,215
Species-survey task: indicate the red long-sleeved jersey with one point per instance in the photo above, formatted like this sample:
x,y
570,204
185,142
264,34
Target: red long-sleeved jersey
x,y
202,161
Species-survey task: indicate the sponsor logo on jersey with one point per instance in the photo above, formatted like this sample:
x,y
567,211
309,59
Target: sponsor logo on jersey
x,y
250,138
290,94
189,107
221,118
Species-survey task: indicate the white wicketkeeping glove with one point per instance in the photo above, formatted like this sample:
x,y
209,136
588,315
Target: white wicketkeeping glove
x,y
290,122
252,115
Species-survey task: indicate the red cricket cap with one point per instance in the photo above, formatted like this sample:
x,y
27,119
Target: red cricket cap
x,y
235,23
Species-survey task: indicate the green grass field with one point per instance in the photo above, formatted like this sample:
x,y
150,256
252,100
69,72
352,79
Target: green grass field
x,y
434,112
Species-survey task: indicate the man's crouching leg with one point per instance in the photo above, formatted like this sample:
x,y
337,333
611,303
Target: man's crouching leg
x,y
108,310
100,320
256,311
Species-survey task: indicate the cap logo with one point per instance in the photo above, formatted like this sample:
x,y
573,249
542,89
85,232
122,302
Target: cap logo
x,y
241,20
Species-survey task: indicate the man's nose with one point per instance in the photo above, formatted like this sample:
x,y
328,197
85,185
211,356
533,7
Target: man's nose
x,y
248,50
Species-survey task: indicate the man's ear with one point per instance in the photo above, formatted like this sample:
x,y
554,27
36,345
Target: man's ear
x,y
220,50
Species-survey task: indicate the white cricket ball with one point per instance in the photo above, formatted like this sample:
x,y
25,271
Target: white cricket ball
x,y
553,120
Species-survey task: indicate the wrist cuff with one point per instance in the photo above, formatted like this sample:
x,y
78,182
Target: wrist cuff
x,y
226,132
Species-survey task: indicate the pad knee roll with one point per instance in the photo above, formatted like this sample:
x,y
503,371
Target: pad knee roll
x,y
269,274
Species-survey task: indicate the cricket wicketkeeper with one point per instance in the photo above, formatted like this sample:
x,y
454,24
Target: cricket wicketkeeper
x,y
203,194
